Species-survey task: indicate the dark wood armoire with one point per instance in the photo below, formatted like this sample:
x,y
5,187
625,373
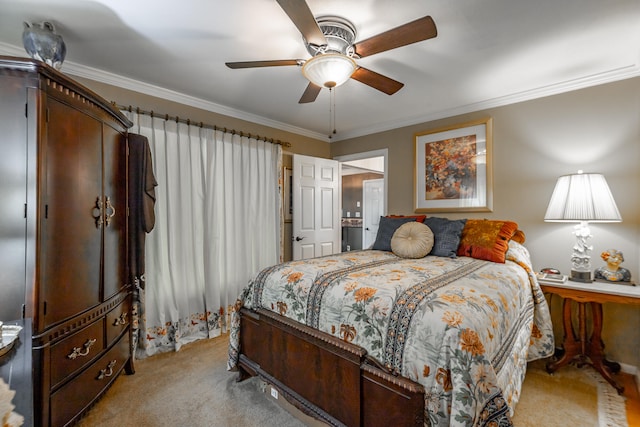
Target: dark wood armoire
x,y
63,234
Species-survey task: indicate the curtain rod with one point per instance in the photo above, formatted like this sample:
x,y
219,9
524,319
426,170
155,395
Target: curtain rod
x,y
188,122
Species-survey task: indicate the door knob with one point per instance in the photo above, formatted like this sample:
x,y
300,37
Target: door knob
x,y
298,238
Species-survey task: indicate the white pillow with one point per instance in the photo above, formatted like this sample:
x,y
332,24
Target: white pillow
x,y
412,240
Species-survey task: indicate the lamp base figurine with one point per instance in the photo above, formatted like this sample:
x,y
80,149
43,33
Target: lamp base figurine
x,y
580,276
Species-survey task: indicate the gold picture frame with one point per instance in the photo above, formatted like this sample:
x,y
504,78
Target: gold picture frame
x,y
453,170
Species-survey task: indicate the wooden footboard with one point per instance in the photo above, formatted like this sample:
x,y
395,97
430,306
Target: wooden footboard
x,y
323,376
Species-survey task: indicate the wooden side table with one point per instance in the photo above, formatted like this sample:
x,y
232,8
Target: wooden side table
x,y
579,347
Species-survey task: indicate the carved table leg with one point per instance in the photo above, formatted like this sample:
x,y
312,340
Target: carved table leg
x,y
571,345
582,350
596,350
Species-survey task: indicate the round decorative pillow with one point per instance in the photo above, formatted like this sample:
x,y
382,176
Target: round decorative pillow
x,y
412,240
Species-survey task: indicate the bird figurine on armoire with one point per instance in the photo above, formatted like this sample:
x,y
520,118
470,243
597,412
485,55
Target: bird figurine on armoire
x,y
41,42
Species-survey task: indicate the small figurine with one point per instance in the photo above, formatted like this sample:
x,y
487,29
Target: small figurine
x,y
43,43
613,272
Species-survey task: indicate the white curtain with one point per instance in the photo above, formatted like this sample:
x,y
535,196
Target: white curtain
x,y
218,223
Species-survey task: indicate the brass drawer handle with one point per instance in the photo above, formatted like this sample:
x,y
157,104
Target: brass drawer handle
x,y
108,371
108,215
122,320
78,351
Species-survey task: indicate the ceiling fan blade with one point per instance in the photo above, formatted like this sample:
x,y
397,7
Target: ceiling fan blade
x,y
412,32
377,81
310,93
299,12
255,64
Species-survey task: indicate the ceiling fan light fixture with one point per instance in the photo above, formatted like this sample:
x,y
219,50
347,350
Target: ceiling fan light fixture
x,y
329,69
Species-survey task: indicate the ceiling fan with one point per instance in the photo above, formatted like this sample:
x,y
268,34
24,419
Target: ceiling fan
x,y
330,42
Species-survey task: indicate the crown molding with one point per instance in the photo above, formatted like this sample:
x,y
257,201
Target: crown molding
x,y
113,79
611,76
626,72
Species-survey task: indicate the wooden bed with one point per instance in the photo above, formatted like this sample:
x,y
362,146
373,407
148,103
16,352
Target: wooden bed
x,y
324,376
332,371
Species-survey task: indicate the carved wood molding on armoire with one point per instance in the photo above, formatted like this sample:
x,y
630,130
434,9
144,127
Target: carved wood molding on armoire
x,y
63,234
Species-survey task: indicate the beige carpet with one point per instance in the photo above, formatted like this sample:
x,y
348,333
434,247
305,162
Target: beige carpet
x,y
581,396
567,398
187,388
192,387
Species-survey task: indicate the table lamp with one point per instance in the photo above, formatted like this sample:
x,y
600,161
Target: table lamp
x,y
582,198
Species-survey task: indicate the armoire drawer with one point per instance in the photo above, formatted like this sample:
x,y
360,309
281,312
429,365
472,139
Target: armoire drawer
x,y
117,321
77,395
76,351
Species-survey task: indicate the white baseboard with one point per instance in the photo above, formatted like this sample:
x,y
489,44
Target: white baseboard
x,y
631,370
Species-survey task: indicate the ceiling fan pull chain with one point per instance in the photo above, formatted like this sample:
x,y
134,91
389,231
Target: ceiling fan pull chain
x,y
333,101
331,118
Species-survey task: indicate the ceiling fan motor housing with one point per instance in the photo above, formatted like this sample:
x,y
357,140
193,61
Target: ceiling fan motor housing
x,y
340,34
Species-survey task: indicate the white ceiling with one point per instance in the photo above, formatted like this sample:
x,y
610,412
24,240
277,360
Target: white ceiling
x,y
487,53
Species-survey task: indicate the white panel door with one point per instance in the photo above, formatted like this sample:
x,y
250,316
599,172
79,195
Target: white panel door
x,y
372,209
316,207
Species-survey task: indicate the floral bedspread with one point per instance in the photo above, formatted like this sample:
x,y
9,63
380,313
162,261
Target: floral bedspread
x,y
463,328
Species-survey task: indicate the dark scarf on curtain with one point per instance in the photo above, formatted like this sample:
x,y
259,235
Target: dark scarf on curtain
x,y
142,198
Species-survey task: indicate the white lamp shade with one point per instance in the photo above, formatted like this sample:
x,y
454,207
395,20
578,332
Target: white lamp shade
x,y
582,197
329,69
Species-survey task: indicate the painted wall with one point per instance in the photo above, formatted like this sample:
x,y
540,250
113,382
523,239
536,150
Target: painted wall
x,y
596,130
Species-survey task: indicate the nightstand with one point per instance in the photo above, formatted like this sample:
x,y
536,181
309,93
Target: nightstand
x,y
579,347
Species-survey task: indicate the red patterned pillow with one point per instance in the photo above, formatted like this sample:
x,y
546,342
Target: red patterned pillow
x,y
486,239
418,218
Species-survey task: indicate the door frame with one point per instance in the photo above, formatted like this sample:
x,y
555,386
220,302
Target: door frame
x,y
383,152
365,212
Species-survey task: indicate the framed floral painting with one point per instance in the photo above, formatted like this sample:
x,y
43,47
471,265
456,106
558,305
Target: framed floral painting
x,y
453,168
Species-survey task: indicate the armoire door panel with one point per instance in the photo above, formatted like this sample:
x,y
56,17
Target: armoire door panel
x,y
70,237
13,176
114,184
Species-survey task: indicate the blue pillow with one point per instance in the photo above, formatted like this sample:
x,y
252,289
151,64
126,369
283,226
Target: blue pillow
x,y
446,235
386,228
